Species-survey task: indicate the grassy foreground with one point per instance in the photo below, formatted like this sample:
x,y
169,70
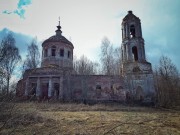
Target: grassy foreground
x,y
79,119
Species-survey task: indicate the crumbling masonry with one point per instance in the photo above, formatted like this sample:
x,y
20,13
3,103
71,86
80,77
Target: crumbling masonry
x,y
55,79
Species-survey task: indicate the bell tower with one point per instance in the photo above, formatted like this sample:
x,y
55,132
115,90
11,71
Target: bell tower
x,y
132,40
135,68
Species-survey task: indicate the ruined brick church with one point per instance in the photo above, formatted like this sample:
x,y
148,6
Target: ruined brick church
x,y
56,79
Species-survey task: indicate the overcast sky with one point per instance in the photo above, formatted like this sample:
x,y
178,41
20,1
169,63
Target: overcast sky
x,y
86,22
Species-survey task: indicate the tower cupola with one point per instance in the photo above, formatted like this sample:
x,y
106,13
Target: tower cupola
x,y
132,40
131,26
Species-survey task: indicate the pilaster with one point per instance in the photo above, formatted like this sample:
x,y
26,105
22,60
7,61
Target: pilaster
x,y
26,88
50,87
38,88
61,88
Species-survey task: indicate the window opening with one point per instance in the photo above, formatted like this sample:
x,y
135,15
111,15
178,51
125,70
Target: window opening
x,y
132,31
135,53
62,52
98,87
53,50
98,91
69,54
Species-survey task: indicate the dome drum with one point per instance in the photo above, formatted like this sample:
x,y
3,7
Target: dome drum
x,y
57,51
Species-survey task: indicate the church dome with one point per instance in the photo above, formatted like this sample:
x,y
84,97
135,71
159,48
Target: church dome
x,y
58,38
57,51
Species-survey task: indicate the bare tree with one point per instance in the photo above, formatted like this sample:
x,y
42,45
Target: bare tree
x,y
2,71
2,79
84,66
167,82
107,56
10,59
2,52
117,61
110,58
33,57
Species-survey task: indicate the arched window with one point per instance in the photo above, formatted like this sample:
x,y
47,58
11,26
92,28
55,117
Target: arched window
x,y
45,53
135,53
132,31
62,52
53,51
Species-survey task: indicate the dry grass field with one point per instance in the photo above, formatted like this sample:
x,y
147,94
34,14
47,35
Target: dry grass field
x,y
79,119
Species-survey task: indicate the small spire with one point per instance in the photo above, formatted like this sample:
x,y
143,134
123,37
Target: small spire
x,y
58,31
59,20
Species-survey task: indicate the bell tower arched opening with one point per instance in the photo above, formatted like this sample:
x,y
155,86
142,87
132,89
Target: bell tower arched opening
x,y
132,31
135,53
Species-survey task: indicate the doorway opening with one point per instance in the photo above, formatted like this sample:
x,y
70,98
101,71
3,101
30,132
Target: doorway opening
x,y
56,90
139,93
44,89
